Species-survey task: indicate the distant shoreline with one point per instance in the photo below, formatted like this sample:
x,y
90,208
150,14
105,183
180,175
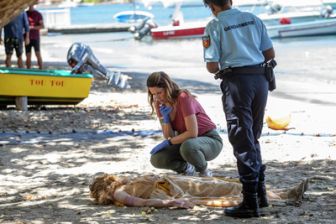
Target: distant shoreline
x,y
55,5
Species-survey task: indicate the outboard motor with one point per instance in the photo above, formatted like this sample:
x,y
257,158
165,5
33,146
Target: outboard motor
x,y
326,11
145,30
82,60
138,26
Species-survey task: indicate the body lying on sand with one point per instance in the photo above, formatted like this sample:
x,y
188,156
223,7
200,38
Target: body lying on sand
x,y
179,191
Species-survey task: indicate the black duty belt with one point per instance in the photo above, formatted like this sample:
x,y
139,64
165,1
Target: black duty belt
x,y
254,69
263,69
248,70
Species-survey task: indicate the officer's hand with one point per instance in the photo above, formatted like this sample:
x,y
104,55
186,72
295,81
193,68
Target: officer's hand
x,y
165,111
160,146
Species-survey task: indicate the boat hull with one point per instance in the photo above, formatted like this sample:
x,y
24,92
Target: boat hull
x,y
298,29
183,31
43,86
315,28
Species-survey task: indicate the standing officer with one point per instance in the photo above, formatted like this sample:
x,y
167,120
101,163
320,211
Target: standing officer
x,y
237,49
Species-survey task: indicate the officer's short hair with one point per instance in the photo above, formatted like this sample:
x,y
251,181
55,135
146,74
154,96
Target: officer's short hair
x,y
216,2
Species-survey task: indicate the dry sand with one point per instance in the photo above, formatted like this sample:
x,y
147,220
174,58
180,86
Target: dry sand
x,y
47,158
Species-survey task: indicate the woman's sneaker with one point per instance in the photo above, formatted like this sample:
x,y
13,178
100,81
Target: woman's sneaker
x,y
190,170
205,173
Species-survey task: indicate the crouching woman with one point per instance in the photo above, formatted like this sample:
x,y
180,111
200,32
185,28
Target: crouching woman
x,y
190,135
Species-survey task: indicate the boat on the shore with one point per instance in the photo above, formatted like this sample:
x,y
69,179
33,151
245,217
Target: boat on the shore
x,y
303,29
132,16
313,18
185,30
43,86
293,11
300,19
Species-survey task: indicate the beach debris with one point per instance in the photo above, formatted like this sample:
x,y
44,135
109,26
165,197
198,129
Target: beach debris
x,y
148,210
280,123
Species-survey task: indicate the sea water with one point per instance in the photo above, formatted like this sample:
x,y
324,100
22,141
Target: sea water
x,y
103,13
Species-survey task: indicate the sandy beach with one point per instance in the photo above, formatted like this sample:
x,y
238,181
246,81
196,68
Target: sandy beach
x,y
49,156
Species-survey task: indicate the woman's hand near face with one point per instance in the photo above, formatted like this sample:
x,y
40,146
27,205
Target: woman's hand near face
x,y
165,112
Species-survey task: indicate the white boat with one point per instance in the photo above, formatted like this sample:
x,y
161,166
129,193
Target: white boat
x,y
304,29
293,11
290,17
132,16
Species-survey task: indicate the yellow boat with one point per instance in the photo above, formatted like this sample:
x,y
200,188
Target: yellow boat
x,y
43,86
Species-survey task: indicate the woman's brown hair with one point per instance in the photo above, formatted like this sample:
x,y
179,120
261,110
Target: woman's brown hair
x,y
162,80
103,187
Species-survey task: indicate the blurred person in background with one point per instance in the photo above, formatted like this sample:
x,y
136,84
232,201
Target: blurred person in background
x,y
15,33
35,20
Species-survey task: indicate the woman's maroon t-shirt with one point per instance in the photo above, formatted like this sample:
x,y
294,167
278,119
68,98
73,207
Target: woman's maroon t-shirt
x,y
187,105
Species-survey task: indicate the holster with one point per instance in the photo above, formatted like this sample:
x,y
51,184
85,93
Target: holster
x,y
221,73
269,74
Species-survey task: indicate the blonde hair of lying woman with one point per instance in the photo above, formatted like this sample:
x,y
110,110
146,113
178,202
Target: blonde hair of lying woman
x,y
180,191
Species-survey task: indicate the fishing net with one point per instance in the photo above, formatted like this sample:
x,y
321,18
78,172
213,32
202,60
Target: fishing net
x,y
11,8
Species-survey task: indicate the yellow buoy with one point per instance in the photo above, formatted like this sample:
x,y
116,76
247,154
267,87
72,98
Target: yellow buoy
x,y
278,123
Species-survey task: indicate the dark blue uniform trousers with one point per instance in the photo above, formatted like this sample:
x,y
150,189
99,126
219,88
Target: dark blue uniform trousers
x,y
244,101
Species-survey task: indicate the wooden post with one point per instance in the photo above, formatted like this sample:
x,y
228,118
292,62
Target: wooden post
x,y
21,103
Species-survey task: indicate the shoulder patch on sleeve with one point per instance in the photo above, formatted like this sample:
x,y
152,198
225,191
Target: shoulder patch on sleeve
x,y
206,41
